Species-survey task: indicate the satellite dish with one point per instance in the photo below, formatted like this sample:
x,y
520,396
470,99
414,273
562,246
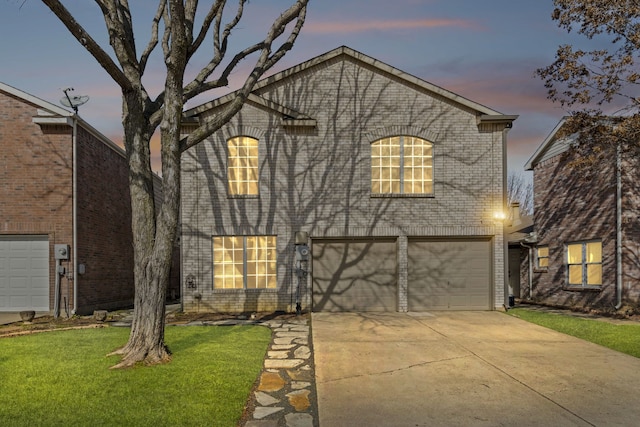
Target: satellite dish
x,y
73,101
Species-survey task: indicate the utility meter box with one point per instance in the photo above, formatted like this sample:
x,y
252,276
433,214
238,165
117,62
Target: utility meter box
x,y
61,251
302,253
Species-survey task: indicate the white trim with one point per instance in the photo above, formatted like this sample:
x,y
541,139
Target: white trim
x,y
35,100
546,144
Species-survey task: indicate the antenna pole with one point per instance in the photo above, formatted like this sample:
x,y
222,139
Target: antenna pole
x,y
74,106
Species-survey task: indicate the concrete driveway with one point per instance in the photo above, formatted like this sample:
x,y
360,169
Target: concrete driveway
x,y
466,369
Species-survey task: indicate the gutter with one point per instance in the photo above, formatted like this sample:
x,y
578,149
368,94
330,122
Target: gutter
x,y
531,238
618,228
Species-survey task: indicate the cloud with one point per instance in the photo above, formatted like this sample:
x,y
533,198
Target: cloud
x,y
377,25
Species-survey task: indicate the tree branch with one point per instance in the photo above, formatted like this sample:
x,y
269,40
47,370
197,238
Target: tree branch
x,y
89,43
153,41
220,48
297,12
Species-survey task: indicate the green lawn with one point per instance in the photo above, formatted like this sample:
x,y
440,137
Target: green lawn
x,y
619,337
63,378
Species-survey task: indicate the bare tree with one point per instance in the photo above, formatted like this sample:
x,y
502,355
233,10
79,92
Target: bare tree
x,y
520,190
174,29
600,76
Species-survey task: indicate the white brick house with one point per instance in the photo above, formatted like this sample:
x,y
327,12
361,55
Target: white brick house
x,y
395,180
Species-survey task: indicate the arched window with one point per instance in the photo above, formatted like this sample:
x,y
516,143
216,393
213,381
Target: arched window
x,y
242,166
402,165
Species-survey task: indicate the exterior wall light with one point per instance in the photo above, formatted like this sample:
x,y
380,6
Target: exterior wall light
x,y
499,216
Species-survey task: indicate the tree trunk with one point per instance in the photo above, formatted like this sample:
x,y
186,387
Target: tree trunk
x,y
153,238
146,341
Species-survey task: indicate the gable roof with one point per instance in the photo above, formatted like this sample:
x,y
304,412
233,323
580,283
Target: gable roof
x,y
49,113
485,114
52,109
549,148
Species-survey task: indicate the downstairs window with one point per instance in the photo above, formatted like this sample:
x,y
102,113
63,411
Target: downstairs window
x,y
584,264
244,262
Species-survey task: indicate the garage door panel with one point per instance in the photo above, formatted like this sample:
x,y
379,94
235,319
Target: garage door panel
x,y
24,273
449,275
354,276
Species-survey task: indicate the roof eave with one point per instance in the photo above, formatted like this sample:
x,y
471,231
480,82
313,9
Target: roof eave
x,y
497,119
52,108
550,139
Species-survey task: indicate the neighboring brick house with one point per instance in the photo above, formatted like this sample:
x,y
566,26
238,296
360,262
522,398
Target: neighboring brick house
x,y
586,244
392,182
63,183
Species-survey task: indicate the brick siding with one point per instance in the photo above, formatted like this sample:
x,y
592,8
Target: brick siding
x,y
317,179
105,244
35,171
574,206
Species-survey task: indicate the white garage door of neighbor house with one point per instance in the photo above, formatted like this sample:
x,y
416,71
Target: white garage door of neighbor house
x,y
354,275
449,275
24,273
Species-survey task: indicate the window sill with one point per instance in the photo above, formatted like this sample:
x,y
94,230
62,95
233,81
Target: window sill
x,y
232,291
243,196
540,270
576,288
401,196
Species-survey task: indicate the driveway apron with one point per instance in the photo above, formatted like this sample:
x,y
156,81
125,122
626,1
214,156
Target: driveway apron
x,y
466,369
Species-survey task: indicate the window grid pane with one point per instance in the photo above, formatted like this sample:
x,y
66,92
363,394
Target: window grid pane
x,y
574,254
228,263
385,166
594,252
243,165
575,274
594,274
418,166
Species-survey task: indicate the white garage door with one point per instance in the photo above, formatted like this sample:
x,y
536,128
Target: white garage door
x,y
24,273
355,275
449,275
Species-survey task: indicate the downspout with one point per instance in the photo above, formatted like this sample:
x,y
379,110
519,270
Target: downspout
x,y
505,239
618,228
75,214
530,269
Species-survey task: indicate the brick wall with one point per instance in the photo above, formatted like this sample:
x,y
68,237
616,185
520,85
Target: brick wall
x,y
317,179
573,206
631,228
105,244
35,171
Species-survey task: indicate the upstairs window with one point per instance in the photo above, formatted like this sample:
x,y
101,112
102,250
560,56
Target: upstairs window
x,y
244,262
402,165
242,166
584,264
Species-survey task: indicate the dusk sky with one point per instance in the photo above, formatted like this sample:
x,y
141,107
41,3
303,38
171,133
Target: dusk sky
x,y
486,51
